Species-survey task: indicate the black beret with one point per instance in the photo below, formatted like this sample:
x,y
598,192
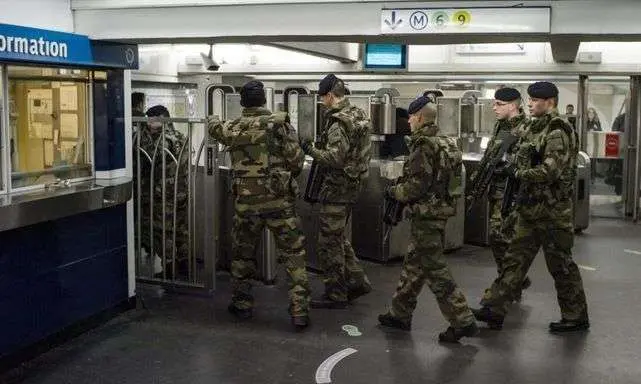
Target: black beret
x,y
542,90
157,111
418,104
327,84
252,94
506,94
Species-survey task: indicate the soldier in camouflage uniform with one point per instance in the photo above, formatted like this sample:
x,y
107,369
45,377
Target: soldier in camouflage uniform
x,y
177,157
266,159
431,180
546,168
344,153
510,121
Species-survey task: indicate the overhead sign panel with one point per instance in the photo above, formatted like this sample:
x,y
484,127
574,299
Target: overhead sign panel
x,y
467,20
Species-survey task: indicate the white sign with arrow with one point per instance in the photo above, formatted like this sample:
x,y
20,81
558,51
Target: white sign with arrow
x,y
522,20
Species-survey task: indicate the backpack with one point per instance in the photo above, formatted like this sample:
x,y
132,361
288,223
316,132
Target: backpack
x,y
358,128
449,167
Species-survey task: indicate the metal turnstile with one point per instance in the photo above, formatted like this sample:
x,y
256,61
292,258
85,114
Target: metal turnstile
x,y
582,193
369,229
368,236
309,217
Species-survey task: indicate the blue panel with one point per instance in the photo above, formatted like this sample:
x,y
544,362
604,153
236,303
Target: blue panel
x,y
56,273
115,55
116,115
19,43
109,122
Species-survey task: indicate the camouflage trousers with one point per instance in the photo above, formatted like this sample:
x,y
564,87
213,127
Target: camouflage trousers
x,y
557,238
341,267
288,234
423,263
501,232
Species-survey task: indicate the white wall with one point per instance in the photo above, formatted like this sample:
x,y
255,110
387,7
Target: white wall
x,y
45,14
614,52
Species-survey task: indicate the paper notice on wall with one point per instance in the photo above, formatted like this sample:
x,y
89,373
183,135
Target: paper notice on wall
x,y
69,125
68,151
40,101
39,130
48,153
68,98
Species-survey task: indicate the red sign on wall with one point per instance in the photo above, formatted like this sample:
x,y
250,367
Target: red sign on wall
x,y
611,145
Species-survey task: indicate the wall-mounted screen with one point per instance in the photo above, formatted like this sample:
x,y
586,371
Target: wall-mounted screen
x,y
385,56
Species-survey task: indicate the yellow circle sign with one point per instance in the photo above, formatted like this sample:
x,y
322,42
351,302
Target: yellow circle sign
x,y
461,18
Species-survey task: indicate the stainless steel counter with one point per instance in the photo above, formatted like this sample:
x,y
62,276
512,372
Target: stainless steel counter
x,y
21,209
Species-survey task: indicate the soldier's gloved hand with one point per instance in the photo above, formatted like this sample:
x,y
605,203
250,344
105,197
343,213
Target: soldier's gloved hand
x,y
510,170
306,145
390,193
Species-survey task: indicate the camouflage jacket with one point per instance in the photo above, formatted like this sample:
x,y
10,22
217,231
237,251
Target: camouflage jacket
x,y
266,159
423,186
344,153
515,126
546,161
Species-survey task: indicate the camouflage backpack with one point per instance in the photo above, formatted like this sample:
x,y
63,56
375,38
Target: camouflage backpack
x,y
256,168
449,167
358,130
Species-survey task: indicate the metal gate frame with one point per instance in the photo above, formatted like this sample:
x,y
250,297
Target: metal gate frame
x,y
198,278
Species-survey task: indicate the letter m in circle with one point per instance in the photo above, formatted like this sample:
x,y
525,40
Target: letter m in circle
x,y
418,20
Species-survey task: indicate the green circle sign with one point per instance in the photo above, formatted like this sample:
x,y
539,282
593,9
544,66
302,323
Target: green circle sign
x,y
440,19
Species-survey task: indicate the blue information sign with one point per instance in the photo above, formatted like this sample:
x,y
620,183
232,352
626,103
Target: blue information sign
x,y
24,44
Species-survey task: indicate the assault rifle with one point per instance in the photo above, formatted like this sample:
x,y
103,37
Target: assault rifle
x,y
513,185
479,185
393,214
314,181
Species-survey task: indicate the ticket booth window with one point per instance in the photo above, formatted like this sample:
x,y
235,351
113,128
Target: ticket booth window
x,y
49,125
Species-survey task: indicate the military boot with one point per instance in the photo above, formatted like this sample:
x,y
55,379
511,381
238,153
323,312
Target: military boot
x,y
325,302
485,314
453,335
240,313
569,325
300,322
389,320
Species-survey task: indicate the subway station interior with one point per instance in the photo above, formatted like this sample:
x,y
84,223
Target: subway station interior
x,y
116,247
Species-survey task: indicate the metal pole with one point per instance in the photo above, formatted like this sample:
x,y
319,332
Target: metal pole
x,y
211,200
582,112
138,200
191,260
164,202
633,160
